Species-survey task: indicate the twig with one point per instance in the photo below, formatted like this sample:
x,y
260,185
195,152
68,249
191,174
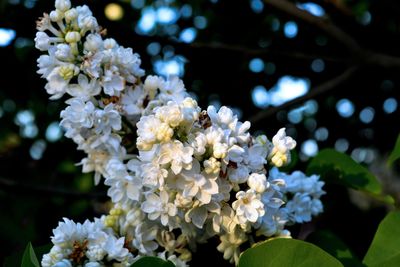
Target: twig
x,y
24,188
363,55
318,90
238,49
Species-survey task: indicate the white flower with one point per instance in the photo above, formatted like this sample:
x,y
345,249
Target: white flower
x,y
176,154
58,80
112,82
63,263
144,239
115,248
150,130
170,114
239,174
159,206
195,184
153,176
212,166
132,100
230,245
258,182
151,84
107,120
84,89
78,112
172,89
282,145
198,142
256,156
248,206
224,118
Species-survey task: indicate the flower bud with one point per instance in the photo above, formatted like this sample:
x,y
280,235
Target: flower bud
x,y
72,37
93,42
42,41
63,263
109,43
89,23
71,15
63,5
56,15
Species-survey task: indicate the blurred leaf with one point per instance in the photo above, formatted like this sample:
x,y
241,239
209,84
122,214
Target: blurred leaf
x,y
334,246
84,182
29,258
283,252
385,248
395,155
152,262
15,258
336,167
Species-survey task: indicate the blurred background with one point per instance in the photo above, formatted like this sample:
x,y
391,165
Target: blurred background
x,y
327,70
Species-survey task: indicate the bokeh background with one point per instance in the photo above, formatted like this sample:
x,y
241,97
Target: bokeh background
x,y
329,73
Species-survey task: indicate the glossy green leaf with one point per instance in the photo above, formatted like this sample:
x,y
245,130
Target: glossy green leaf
x,y
152,262
329,242
336,167
395,155
385,247
283,252
29,258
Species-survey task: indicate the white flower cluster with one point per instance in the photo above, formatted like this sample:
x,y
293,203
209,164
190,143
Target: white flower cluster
x,y
90,244
196,174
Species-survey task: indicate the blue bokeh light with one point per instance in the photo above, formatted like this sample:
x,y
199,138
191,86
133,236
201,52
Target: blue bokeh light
x,y
6,36
188,35
342,145
257,6
256,65
167,15
390,105
200,22
309,148
312,8
318,65
260,97
37,149
367,115
345,108
290,29
288,88
148,20
53,132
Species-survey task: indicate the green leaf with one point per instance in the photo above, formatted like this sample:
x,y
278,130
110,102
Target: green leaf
x,y
152,262
329,242
283,252
340,168
29,258
385,248
395,155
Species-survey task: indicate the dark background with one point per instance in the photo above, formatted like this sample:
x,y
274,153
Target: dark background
x,y
40,186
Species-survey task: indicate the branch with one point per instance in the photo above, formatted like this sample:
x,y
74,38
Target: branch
x,y
324,24
23,188
232,48
318,90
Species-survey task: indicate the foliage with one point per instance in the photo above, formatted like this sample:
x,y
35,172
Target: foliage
x,y
336,167
385,249
282,252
